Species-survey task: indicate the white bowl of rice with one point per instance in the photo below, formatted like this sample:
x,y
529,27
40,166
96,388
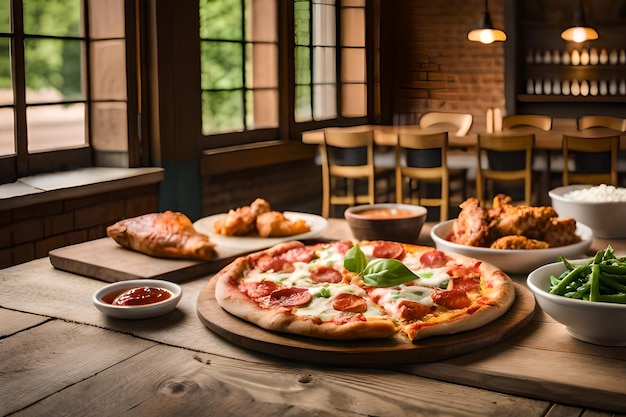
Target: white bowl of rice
x,y
601,207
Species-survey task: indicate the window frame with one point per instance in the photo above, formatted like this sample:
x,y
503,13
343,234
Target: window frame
x,y
21,163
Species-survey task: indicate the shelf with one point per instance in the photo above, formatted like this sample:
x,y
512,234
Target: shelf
x,y
547,98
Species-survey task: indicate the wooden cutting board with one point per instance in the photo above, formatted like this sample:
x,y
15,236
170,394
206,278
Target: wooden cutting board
x,y
104,259
362,353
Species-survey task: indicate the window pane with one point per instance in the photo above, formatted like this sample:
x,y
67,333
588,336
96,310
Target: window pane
x,y
53,70
109,127
108,79
325,65
354,100
106,19
353,27
302,22
5,16
222,111
262,109
221,64
6,84
221,19
324,25
303,65
261,22
325,99
55,127
353,65
303,104
53,17
7,135
262,65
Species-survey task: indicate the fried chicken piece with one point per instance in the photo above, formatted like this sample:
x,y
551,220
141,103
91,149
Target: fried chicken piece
x,y
168,235
561,232
528,221
518,242
471,227
241,221
275,224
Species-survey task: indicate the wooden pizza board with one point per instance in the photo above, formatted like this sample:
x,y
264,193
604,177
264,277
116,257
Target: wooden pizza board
x,y
106,260
363,353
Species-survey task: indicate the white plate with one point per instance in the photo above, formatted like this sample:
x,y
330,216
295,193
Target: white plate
x,y
205,225
513,261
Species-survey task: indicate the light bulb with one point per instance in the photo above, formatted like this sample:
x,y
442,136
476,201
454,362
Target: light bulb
x,y
486,36
579,35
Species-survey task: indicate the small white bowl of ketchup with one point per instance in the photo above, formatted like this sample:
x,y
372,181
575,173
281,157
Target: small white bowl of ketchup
x,y
138,299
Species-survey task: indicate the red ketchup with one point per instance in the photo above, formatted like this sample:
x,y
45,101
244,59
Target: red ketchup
x,y
138,296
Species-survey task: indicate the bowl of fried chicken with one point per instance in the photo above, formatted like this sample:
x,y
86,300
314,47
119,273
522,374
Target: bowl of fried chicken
x,y
515,238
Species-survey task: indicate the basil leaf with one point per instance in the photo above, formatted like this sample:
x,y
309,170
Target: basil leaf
x,y
355,260
386,273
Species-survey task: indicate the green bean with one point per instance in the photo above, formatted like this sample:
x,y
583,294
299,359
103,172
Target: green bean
x,y
613,284
594,292
571,276
603,278
619,298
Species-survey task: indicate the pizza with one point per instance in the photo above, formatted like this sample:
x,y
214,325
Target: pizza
x,y
342,290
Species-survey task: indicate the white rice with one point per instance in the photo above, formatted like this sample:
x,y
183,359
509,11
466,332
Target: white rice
x,y
598,194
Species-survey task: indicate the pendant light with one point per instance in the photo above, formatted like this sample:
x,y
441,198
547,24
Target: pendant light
x,y
580,31
485,32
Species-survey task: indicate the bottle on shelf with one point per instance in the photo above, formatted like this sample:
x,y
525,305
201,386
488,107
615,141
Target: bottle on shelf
x,y
622,57
556,87
584,57
547,86
584,88
613,57
603,88
593,56
575,88
622,88
604,56
565,88
530,86
593,87
556,57
547,57
538,87
575,57
613,87
565,58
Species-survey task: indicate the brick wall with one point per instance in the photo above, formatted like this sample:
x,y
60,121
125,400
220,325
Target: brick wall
x,y
30,232
431,66
293,186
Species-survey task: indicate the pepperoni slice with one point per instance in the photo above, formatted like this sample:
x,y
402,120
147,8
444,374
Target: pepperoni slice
x,y
349,302
451,299
465,284
256,290
343,246
304,254
412,310
388,250
433,259
321,274
290,297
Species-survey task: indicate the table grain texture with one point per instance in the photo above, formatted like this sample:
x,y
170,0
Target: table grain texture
x,y
59,356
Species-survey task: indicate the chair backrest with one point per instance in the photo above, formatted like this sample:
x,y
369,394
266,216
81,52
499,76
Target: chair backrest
x,y
347,153
461,122
615,123
423,157
596,160
527,120
506,144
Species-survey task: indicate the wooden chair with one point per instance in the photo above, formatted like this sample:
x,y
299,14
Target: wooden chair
x,y
538,121
615,123
596,154
504,144
347,156
461,122
422,159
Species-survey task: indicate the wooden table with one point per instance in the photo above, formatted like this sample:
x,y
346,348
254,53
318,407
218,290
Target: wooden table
x,y
61,356
544,140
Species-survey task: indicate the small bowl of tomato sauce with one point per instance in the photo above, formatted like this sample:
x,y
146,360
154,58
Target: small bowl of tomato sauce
x,y
386,221
138,299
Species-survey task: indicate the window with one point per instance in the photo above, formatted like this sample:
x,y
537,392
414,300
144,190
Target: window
x,y
239,65
63,85
329,72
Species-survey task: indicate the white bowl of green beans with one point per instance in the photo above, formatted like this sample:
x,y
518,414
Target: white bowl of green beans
x,y
588,296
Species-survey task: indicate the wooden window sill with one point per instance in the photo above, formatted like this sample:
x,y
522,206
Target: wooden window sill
x,y
82,182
